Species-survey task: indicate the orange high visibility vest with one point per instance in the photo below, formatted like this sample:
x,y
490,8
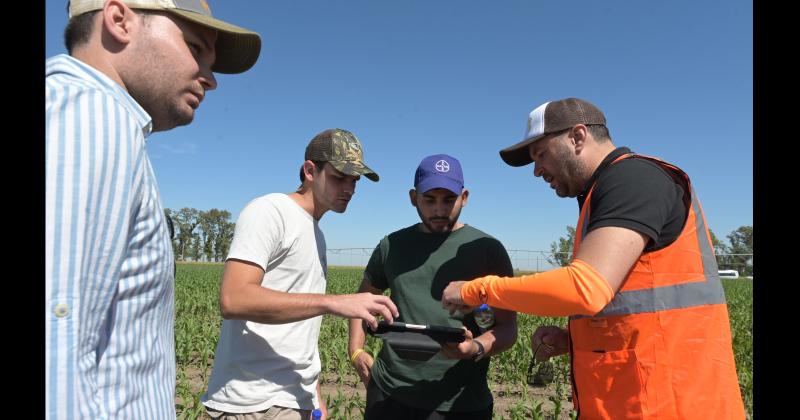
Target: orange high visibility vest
x,y
662,347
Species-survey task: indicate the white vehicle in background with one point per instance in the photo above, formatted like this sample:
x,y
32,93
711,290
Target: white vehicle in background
x,y
729,274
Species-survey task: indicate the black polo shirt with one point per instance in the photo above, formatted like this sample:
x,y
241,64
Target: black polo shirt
x,y
636,194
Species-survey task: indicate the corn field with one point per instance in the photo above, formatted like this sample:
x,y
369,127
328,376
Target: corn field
x,y
198,321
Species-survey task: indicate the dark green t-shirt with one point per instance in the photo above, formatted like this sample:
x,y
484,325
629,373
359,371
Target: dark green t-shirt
x,y
417,266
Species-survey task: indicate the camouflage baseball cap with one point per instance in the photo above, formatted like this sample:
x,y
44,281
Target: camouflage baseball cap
x,y
342,150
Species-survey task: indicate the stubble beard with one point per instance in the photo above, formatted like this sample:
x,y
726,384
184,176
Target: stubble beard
x,y
573,169
152,85
444,229
165,109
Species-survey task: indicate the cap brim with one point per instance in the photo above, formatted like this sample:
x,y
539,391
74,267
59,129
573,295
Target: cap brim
x,y
432,182
518,155
350,167
237,49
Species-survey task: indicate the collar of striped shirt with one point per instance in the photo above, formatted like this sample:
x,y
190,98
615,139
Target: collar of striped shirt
x,y
71,66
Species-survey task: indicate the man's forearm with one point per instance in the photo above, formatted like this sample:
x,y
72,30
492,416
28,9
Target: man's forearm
x,y
502,336
258,304
357,337
575,289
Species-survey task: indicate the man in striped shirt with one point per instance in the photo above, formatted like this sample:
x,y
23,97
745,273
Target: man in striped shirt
x,y
133,68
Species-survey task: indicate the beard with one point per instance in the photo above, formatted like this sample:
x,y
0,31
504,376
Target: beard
x,y
153,81
572,169
441,228
166,110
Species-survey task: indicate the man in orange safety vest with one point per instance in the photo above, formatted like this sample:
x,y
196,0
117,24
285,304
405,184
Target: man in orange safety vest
x,y
648,334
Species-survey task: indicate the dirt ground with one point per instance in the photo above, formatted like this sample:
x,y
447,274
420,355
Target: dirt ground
x,y
503,398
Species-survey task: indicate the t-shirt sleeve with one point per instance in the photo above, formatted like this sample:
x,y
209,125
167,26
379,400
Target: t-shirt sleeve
x,y
634,194
374,273
258,234
499,261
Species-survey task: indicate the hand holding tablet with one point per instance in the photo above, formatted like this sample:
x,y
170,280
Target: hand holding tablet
x,y
416,342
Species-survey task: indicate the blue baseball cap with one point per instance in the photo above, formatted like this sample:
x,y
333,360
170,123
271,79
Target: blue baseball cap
x,y
439,171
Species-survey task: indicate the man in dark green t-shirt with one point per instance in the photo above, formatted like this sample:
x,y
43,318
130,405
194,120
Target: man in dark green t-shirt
x,y
416,264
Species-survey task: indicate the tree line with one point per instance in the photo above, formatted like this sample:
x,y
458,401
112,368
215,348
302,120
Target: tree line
x,y
200,235
206,236
737,254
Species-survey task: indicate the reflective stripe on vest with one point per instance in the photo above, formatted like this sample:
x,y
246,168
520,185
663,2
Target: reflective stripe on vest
x,y
705,292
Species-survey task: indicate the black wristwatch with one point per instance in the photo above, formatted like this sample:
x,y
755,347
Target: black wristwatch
x,y
481,351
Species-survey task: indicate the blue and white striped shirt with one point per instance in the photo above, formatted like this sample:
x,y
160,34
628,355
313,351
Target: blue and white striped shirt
x,y
109,287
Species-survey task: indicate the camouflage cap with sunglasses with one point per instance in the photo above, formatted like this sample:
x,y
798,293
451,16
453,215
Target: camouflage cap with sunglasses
x,y
342,150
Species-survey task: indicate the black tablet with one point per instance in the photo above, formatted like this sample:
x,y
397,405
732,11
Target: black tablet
x,y
439,333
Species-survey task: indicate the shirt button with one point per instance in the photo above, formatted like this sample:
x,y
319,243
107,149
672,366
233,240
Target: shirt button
x,y
61,310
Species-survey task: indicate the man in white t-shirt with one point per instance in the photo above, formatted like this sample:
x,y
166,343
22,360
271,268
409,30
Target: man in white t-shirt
x,y
273,291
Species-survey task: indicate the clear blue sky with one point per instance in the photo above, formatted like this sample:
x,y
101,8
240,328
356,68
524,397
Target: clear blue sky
x,y
417,77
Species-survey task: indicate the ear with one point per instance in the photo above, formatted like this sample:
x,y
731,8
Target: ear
x,y
578,137
464,197
118,21
308,170
412,195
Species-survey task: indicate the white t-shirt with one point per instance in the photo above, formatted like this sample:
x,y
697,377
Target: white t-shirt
x,y
257,365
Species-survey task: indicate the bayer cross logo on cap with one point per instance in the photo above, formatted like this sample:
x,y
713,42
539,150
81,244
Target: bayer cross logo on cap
x,y
442,166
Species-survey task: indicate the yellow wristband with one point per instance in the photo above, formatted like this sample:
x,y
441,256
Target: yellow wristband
x,y
354,355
